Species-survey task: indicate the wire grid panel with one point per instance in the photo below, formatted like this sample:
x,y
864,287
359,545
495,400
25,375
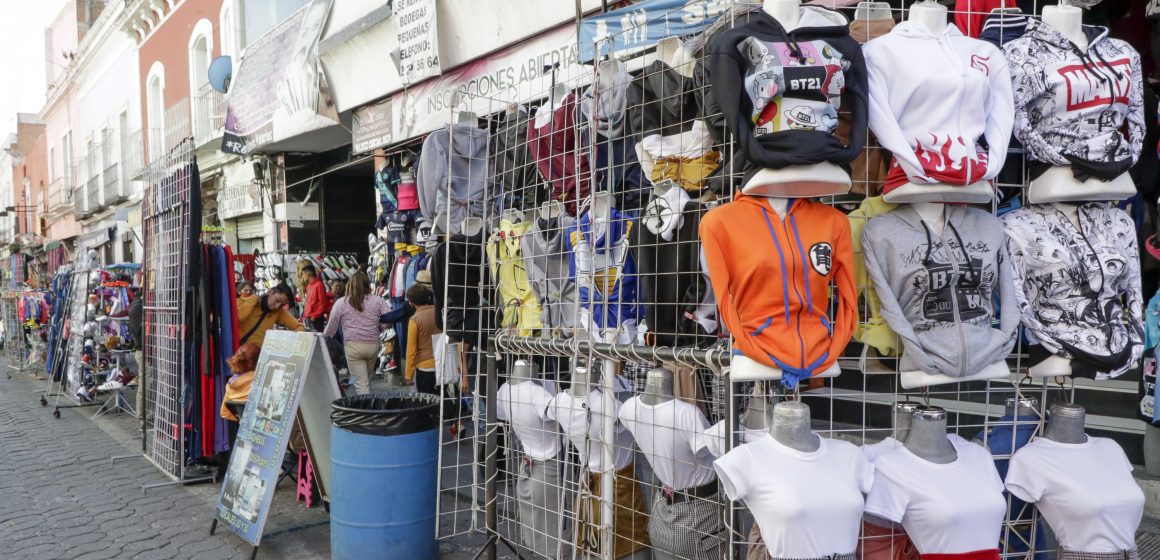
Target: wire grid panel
x,y
14,341
166,221
666,163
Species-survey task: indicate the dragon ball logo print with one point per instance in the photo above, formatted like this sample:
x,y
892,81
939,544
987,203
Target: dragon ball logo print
x,y
794,88
822,258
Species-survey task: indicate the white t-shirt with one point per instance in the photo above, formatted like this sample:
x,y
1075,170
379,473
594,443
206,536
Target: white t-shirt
x,y
808,505
1085,491
525,406
583,422
946,509
671,435
714,440
873,451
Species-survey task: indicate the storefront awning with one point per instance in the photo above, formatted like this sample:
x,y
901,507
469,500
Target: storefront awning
x,y
279,99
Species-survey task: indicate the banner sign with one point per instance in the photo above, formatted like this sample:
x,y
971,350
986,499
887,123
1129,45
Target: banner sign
x,y
290,372
418,40
643,24
279,90
484,86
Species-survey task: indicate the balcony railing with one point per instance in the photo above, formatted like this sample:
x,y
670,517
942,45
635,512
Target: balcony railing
x,y
177,126
59,195
79,202
133,152
209,115
115,186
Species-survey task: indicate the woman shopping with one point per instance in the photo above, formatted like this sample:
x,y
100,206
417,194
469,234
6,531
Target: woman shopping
x,y
357,314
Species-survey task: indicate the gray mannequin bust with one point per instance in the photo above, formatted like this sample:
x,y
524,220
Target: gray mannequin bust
x,y
791,426
903,414
522,371
658,387
1016,407
1066,423
759,415
581,384
928,436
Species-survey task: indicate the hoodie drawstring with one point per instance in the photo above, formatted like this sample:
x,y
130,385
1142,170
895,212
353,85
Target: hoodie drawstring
x,y
971,272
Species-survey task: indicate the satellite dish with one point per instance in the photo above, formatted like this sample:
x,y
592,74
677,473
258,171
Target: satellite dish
x,y
220,72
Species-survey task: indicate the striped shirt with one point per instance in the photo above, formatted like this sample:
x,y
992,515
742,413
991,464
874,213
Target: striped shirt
x,y
357,326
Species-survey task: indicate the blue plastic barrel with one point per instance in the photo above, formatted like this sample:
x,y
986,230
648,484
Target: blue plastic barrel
x,y
383,455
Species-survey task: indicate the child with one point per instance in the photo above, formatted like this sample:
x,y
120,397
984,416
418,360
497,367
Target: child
x,y
243,363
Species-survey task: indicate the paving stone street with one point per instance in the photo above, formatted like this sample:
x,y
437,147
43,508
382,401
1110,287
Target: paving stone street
x,y
62,498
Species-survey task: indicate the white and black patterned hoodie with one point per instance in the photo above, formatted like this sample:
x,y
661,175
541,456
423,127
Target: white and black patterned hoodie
x,y
1071,103
1078,289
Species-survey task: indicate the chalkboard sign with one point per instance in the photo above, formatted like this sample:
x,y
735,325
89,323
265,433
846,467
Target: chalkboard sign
x,y
293,372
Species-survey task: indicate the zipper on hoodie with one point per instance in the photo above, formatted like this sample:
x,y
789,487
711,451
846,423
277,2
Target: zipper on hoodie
x,y
788,278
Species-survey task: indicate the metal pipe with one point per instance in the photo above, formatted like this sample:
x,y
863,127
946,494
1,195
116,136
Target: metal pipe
x,y
490,454
569,347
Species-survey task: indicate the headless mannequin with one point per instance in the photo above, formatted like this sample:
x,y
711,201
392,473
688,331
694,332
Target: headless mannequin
x,y
1066,423
468,118
759,416
903,415
471,226
521,372
1057,366
581,385
743,368
556,100
934,215
932,17
549,216
928,436
791,427
820,179
1058,183
672,52
658,387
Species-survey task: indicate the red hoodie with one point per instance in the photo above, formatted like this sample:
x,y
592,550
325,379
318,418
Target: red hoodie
x,y
772,278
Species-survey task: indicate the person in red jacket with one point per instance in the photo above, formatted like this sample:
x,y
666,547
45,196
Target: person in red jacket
x,y
318,301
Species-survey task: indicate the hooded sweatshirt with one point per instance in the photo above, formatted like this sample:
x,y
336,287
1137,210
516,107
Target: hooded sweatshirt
x,y
772,278
457,280
606,128
556,148
932,98
1071,103
1078,290
452,175
515,176
937,291
604,270
519,307
547,257
781,90
874,331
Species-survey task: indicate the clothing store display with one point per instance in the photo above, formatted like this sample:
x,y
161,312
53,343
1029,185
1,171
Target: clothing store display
x,y
397,226
525,404
937,292
921,86
1002,28
562,160
519,307
1078,290
776,300
452,175
872,330
582,420
408,194
1071,104
538,503
914,492
672,283
1085,492
547,257
604,269
629,520
813,507
970,14
515,178
606,128
781,90
671,435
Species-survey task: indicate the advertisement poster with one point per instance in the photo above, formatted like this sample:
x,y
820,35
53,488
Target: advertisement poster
x,y
264,432
418,41
637,27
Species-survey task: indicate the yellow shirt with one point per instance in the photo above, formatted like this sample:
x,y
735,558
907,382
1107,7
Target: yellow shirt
x,y
237,389
250,310
521,307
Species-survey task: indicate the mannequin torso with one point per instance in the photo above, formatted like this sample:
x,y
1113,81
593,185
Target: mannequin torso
x,y
928,436
658,387
903,415
791,426
799,181
580,386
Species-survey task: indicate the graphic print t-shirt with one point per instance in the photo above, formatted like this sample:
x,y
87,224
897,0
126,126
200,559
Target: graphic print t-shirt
x,y
794,90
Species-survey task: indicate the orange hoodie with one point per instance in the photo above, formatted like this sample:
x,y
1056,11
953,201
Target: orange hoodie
x,y
772,280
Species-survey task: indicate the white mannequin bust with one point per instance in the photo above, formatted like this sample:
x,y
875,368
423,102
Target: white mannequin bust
x,y
672,52
798,181
555,101
934,215
1058,184
932,17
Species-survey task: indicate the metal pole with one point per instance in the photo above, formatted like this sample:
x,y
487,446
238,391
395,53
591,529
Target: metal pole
x,y
490,456
608,473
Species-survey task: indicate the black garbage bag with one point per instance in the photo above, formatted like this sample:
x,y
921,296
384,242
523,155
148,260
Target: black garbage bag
x,y
386,414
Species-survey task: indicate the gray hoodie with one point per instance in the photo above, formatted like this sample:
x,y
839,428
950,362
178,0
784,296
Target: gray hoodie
x,y
939,301
546,255
452,175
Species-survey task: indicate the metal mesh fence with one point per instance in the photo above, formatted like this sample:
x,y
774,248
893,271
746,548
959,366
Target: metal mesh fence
x,y
166,209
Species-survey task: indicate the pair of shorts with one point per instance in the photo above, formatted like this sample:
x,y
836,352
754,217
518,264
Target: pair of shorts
x,y
1132,554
